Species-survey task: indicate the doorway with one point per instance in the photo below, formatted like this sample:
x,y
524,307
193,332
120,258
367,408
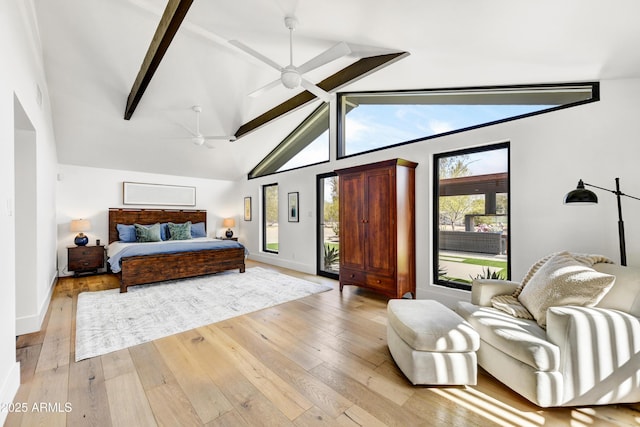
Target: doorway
x,y
328,241
25,219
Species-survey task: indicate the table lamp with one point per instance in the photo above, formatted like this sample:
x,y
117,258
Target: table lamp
x,y
80,226
229,222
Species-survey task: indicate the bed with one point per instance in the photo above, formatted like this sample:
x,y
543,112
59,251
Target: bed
x,y
156,267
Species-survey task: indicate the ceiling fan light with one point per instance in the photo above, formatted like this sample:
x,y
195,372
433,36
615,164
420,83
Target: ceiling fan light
x,y
198,140
290,78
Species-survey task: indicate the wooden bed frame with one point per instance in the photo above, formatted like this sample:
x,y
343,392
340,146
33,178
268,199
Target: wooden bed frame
x,y
137,270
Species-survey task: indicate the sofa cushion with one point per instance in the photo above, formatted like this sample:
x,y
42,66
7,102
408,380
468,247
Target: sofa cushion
x,y
563,280
624,295
427,325
522,339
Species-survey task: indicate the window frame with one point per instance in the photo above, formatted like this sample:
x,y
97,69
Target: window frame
x,y
341,114
264,216
436,209
269,164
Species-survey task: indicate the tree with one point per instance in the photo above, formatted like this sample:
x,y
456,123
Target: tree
x,y
332,208
454,166
454,208
271,204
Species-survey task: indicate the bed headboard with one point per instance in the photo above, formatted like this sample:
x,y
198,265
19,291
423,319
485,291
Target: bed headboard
x,y
151,216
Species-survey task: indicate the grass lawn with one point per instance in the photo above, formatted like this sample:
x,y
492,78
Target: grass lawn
x,y
494,266
502,265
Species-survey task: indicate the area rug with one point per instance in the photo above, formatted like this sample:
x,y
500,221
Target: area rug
x,y
107,321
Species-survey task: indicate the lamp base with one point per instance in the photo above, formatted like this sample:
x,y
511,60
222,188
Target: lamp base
x,y
81,240
229,233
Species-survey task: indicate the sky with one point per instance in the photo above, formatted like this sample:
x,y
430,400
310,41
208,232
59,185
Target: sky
x,y
371,126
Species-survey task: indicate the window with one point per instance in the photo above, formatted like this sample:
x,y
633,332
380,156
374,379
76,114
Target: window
x,y
307,145
471,215
374,120
270,218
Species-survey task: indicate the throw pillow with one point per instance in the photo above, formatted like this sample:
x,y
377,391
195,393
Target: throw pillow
x,y
126,233
147,233
180,231
198,230
510,304
164,231
563,280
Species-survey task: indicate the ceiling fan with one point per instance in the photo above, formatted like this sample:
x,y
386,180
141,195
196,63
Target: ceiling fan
x,y
198,138
291,76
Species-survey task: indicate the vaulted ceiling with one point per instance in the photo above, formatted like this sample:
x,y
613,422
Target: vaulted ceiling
x,y
93,51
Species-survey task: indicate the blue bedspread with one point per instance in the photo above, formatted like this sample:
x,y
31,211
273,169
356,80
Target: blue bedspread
x,y
167,247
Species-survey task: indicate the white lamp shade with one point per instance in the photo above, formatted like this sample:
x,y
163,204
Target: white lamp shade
x,y
228,222
80,225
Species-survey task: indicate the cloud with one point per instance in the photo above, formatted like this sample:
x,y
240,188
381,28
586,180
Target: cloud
x,y
439,126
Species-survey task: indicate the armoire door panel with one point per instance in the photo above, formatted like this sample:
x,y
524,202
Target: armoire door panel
x,y
351,221
380,248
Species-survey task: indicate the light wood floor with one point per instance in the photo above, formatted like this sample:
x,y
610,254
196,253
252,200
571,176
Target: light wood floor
x,y
317,361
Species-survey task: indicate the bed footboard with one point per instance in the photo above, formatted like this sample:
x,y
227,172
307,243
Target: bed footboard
x,y
137,270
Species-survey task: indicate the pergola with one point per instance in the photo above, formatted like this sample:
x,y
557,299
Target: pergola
x,y
489,185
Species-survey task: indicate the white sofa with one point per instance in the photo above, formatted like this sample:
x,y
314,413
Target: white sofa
x,y
586,355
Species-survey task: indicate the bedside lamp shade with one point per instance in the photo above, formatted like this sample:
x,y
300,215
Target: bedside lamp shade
x,y
229,222
80,226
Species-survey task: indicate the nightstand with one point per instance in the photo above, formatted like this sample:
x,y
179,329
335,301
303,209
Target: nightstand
x,y
227,238
85,259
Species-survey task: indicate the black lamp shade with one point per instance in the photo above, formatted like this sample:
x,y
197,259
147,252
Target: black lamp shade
x,y
581,195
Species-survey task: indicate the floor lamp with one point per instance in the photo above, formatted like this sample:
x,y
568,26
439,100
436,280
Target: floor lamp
x,y
583,196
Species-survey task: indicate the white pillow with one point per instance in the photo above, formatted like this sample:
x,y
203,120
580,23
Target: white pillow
x,y
563,280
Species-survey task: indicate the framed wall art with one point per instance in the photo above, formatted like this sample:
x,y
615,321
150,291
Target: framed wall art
x,y
247,208
293,208
137,193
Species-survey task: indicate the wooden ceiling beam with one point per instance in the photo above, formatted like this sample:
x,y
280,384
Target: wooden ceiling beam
x,y
169,24
347,75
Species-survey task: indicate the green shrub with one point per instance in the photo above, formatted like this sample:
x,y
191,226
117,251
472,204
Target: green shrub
x,y
488,274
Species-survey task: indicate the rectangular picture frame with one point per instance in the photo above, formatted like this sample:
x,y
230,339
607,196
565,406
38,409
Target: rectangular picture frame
x,y
293,207
247,208
139,193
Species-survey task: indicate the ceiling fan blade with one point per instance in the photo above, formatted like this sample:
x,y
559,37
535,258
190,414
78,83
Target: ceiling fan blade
x,y
188,130
265,88
322,94
331,54
243,47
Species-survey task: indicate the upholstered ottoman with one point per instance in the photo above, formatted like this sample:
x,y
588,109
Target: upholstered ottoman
x,y
430,343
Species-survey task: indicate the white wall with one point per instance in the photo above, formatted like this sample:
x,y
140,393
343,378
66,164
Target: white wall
x,y
549,153
85,192
20,76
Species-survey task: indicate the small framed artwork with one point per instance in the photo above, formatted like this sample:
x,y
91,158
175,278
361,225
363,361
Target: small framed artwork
x,y
294,209
247,208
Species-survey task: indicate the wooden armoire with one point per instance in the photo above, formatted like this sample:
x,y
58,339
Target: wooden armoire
x,y
377,227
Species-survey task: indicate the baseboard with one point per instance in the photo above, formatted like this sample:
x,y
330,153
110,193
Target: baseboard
x,y
292,265
33,323
8,390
